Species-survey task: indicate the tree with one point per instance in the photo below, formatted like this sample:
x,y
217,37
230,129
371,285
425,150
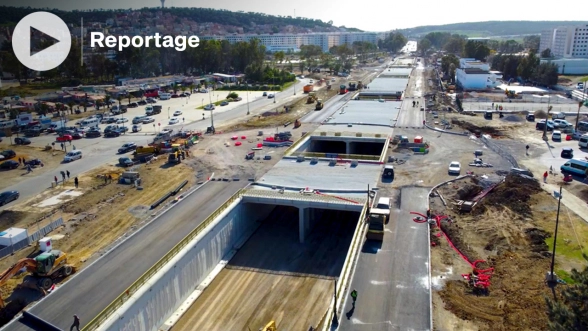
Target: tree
x,y
71,105
476,50
571,311
446,63
455,45
546,74
423,46
279,56
393,42
532,42
107,100
43,109
546,53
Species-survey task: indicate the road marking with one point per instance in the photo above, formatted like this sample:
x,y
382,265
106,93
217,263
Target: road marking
x,y
357,321
379,282
425,282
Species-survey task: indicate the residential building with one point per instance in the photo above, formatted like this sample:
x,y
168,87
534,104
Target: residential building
x,y
284,42
475,75
566,41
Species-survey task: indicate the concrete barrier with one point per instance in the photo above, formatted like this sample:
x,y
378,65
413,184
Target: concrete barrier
x,y
150,306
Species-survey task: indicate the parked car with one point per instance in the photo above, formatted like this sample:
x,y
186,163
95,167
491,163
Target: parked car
x,y
72,156
270,96
541,125
454,168
122,120
556,135
33,162
530,117
7,154
64,138
133,105
127,147
22,141
77,135
567,153
174,120
224,103
112,133
137,127
125,162
265,94
9,165
8,196
151,100
559,123
210,106
175,96
148,120
93,134
141,102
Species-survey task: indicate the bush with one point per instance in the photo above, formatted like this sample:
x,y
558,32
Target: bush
x,y
232,95
540,114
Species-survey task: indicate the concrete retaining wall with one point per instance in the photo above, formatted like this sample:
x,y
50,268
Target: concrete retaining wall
x,y
150,307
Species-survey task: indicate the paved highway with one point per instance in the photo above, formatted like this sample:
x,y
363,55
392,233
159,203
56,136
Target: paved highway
x,y
412,116
100,151
392,281
91,290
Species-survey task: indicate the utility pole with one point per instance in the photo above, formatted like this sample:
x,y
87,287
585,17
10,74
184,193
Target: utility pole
x,y
549,107
552,278
247,93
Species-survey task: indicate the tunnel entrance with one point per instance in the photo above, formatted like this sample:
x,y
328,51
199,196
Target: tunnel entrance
x,y
365,148
327,146
273,275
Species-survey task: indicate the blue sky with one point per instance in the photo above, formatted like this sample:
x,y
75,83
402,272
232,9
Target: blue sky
x,y
374,15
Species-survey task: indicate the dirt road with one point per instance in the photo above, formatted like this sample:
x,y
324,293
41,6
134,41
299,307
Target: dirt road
x,y
274,277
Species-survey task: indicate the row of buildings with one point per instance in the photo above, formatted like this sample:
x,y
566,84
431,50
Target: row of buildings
x,y
569,48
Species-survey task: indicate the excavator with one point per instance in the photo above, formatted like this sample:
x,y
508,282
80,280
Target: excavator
x,y
311,98
271,326
44,268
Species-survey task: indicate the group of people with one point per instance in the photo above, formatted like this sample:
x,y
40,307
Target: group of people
x,y
64,175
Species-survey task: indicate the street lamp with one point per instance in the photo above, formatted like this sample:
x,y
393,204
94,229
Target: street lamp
x,y
247,93
202,102
168,112
295,81
551,278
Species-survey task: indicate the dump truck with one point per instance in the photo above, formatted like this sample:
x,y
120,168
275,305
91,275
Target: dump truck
x,y
319,104
43,269
342,89
308,88
376,221
311,98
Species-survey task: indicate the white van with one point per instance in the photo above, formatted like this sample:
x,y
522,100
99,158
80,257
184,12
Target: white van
x,y
558,115
90,122
72,156
148,110
575,167
383,203
583,142
164,96
556,135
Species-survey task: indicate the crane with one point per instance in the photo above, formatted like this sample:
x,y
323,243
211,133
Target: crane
x,y
44,268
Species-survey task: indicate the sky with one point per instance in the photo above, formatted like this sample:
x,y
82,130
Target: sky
x,y
375,15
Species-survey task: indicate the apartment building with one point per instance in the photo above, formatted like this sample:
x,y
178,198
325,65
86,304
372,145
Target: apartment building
x,y
566,41
292,42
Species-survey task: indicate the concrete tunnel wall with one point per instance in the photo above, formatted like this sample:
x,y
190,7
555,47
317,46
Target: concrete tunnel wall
x,y
343,145
149,309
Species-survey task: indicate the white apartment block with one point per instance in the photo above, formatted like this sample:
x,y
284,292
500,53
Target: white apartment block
x,y
292,42
566,41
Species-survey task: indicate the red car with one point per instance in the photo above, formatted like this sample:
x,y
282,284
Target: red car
x,y
64,138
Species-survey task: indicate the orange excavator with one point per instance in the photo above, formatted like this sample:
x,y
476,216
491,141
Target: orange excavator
x,y
43,269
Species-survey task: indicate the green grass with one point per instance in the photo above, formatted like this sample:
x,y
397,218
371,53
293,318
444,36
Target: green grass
x,y
214,103
288,84
570,251
565,276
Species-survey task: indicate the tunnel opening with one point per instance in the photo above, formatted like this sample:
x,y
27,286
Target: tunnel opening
x,y
366,148
275,275
327,146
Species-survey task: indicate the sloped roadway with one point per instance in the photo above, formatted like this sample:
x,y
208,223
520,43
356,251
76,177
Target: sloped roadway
x,y
392,277
95,287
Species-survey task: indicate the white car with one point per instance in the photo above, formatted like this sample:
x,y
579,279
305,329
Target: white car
x,y
556,135
122,120
72,156
454,168
174,120
148,120
177,113
561,123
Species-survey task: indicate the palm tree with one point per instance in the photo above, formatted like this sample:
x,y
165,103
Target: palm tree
x,y
191,86
43,108
119,98
107,100
129,96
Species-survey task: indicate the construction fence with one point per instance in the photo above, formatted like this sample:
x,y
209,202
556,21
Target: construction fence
x,y
500,151
31,239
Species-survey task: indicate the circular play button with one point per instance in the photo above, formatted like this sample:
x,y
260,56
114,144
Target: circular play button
x,y
47,27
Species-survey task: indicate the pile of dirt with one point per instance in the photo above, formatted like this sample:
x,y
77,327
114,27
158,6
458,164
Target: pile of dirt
x,y
513,118
467,192
536,239
514,193
494,132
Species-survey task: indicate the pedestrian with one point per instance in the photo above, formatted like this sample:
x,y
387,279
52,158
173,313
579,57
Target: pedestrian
x,y
428,213
545,177
354,296
63,175
76,323
19,161
527,149
55,179
67,173
76,182
105,179
29,169
24,161
110,178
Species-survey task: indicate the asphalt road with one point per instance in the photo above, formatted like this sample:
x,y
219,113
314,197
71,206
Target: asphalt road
x,y
412,116
100,151
91,290
392,280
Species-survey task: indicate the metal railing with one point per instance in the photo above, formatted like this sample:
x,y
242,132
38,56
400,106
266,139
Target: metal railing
x,y
352,134
346,271
123,297
500,151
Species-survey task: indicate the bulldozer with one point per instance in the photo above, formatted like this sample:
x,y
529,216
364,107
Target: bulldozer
x,y
311,98
174,157
319,104
43,269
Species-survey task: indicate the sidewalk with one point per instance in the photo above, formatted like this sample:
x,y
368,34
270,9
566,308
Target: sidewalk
x,y
569,200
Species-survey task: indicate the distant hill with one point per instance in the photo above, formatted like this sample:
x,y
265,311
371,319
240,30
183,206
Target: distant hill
x,y
250,22
490,28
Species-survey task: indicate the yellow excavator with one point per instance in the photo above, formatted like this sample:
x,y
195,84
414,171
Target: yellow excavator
x,y
43,269
271,326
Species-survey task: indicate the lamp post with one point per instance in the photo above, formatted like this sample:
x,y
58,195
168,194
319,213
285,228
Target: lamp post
x,y
247,93
552,279
168,112
202,102
295,81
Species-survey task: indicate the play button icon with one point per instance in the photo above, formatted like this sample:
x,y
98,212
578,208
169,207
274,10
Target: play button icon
x,y
48,27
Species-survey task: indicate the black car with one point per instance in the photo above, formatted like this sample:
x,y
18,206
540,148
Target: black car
x,y
8,196
32,133
33,162
127,148
93,134
142,102
8,154
567,153
133,105
112,133
9,165
22,141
